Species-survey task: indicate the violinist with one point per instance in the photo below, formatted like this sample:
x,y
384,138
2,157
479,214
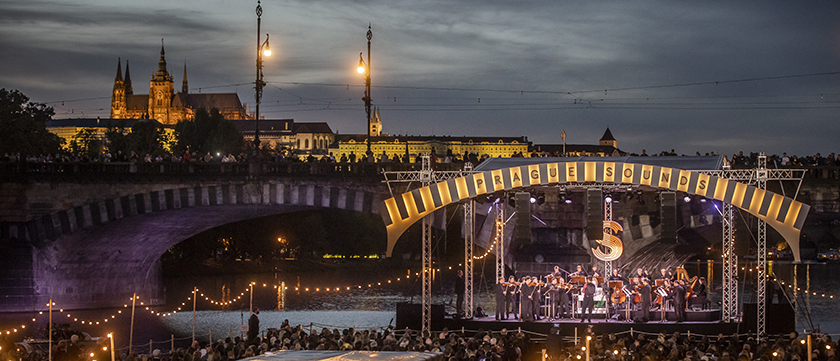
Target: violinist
x,y
563,296
525,304
556,273
510,297
536,297
615,276
501,290
579,272
644,291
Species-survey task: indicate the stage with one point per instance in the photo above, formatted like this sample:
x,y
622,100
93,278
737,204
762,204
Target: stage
x,y
698,321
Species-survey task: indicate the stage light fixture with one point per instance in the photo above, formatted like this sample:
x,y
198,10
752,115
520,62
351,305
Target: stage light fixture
x,y
608,199
687,198
533,200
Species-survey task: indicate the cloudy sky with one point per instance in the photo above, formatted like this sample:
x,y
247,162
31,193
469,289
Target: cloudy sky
x,y
718,76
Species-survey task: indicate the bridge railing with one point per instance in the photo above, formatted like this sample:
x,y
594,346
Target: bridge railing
x,y
99,170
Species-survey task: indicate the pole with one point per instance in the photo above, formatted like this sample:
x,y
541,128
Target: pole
x,y
150,347
810,353
131,329
588,337
111,336
211,337
195,290
367,90
172,344
252,298
49,354
258,83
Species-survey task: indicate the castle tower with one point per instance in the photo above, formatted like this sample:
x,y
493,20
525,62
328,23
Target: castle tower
x,y
118,94
128,89
185,88
375,123
608,139
161,90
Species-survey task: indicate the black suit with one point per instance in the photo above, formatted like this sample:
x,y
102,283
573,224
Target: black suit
x,y
588,300
645,301
500,301
679,302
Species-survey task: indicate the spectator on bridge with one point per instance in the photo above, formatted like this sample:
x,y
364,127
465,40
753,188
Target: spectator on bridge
x,y
254,327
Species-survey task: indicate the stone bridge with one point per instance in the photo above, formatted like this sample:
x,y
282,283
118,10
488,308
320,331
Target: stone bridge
x,y
91,235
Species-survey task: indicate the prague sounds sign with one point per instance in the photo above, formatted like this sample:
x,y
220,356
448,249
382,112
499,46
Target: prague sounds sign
x,y
785,215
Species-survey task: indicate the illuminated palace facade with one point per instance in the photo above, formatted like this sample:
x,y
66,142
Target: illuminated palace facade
x,y
162,103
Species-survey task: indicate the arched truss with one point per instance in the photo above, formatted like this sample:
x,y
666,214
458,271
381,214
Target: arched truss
x,y
782,213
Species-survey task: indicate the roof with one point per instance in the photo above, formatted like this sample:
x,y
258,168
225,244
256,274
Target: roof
x,y
266,125
683,162
207,100
575,148
95,122
312,355
428,138
137,102
319,127
608,135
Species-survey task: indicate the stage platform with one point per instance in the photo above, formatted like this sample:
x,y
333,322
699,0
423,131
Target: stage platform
x,y
705,322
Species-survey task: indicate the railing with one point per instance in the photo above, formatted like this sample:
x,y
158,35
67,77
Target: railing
x,y
112,170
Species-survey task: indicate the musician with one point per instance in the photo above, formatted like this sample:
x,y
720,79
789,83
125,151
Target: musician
x,y
668,289
699,293
615,276
579,272
501,296
640,273
665,275
679,300
556,273
588,299
536,299
595,271
526,295
563,294
510,298
644,291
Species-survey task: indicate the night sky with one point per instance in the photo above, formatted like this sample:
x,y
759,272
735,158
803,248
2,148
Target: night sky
x,y
719,76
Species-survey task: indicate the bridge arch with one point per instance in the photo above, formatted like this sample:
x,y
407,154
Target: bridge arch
x,y
99,253
784,214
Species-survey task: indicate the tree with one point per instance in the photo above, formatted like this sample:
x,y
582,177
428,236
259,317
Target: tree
x,y
117,137
147,137
87,142
208,132
23,125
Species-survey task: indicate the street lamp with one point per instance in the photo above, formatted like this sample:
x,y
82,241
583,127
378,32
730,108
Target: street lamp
x,y
365,69
262,49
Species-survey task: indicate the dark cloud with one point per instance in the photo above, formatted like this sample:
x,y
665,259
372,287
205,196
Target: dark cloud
x,y
535,67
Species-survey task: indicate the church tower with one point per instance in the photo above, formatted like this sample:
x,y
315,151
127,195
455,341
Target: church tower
x,y
161,90
608,139
128,89
118,108
375,123
185,88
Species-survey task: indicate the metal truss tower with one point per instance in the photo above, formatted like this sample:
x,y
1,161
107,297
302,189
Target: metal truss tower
x,y
607,218
426,178
469,239
761,267
500,240
730,267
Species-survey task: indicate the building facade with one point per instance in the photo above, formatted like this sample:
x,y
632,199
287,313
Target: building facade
x,y
163,103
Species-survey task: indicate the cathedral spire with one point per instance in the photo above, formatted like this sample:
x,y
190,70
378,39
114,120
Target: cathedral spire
x,y
119,70
128,89
162,74
184,86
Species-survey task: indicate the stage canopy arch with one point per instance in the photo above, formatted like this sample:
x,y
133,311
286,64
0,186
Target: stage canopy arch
x,y
682,174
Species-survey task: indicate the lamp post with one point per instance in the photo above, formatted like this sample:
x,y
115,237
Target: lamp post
x,y
262,49
365,69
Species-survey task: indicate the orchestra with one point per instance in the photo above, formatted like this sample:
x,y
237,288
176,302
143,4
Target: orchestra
x,y
562,295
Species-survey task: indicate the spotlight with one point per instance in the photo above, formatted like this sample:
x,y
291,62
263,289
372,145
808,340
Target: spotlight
x,y
568,200
703,200
540,198
628,195
533,200
687,198
608,199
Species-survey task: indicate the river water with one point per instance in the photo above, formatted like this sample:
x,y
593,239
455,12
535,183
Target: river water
x,y
369,304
